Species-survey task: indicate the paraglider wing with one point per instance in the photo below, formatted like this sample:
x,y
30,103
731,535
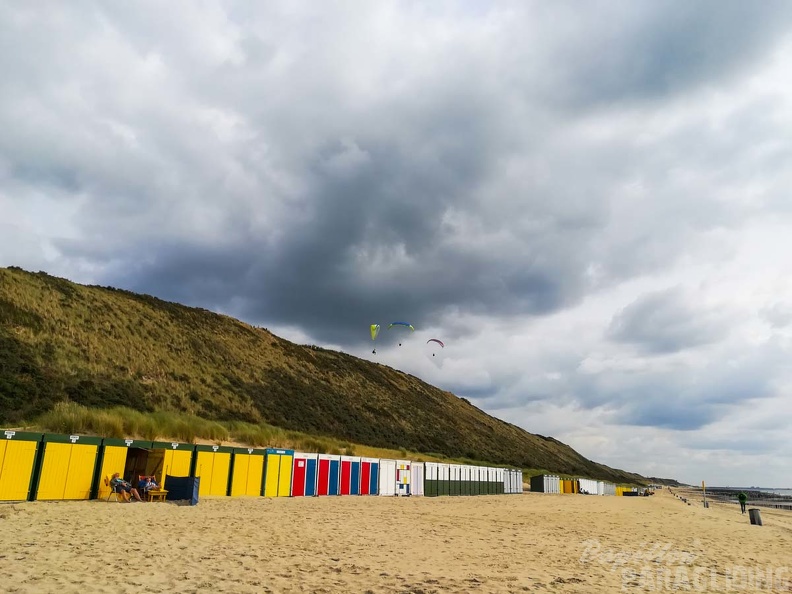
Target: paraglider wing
x,y
434,350
405,324
375,328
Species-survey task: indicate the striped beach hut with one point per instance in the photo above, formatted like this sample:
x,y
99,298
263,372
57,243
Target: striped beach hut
x,y
68,467
329,474
18,453
500,473
304,474
369,476
475,480
430,479
489,480
247,472
278,472
466,476
443,479
454,479
350,475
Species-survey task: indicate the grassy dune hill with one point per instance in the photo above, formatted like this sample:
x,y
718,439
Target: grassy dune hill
x,y
102,347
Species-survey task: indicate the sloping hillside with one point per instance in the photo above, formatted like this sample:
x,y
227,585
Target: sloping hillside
x,y
103,347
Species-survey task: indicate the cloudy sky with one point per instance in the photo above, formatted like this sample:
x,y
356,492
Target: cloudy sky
x,y
589,202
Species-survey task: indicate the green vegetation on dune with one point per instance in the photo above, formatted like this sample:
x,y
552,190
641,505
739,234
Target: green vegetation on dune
x,y
119,422
104,348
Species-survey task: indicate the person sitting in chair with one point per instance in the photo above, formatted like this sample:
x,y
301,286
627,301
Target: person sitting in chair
x,y
147,483
125,488
143,484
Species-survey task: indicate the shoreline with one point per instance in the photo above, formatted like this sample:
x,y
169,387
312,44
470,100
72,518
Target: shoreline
x,y
697,495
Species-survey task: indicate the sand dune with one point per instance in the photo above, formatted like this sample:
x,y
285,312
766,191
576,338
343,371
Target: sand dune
x,y
519,543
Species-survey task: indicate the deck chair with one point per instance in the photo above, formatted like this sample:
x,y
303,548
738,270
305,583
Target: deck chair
x,y
144,494
113,490
152,494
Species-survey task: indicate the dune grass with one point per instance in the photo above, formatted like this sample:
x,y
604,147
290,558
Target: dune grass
x,y
122,422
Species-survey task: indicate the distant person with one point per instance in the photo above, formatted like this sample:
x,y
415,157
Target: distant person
x,y
742,498
125,488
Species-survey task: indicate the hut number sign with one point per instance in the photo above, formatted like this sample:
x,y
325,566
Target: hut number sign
x,y
10,434
128,442
74,438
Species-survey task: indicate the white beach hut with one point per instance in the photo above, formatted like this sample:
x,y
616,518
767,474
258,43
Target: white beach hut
x,y
387,478
417,471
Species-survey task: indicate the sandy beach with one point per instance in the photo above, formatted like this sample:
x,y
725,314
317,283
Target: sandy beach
x,y
519,543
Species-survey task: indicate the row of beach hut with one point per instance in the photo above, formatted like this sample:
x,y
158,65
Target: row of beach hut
x,y
43,466
546,483
462,479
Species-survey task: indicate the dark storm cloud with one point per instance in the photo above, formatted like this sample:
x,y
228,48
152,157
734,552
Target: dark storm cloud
x,y
308,174
370,248
665,322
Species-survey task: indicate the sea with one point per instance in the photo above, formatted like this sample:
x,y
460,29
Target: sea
x,y
783,492
770,496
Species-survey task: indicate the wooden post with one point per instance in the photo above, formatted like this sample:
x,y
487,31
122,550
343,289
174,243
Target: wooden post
x,y
755,516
